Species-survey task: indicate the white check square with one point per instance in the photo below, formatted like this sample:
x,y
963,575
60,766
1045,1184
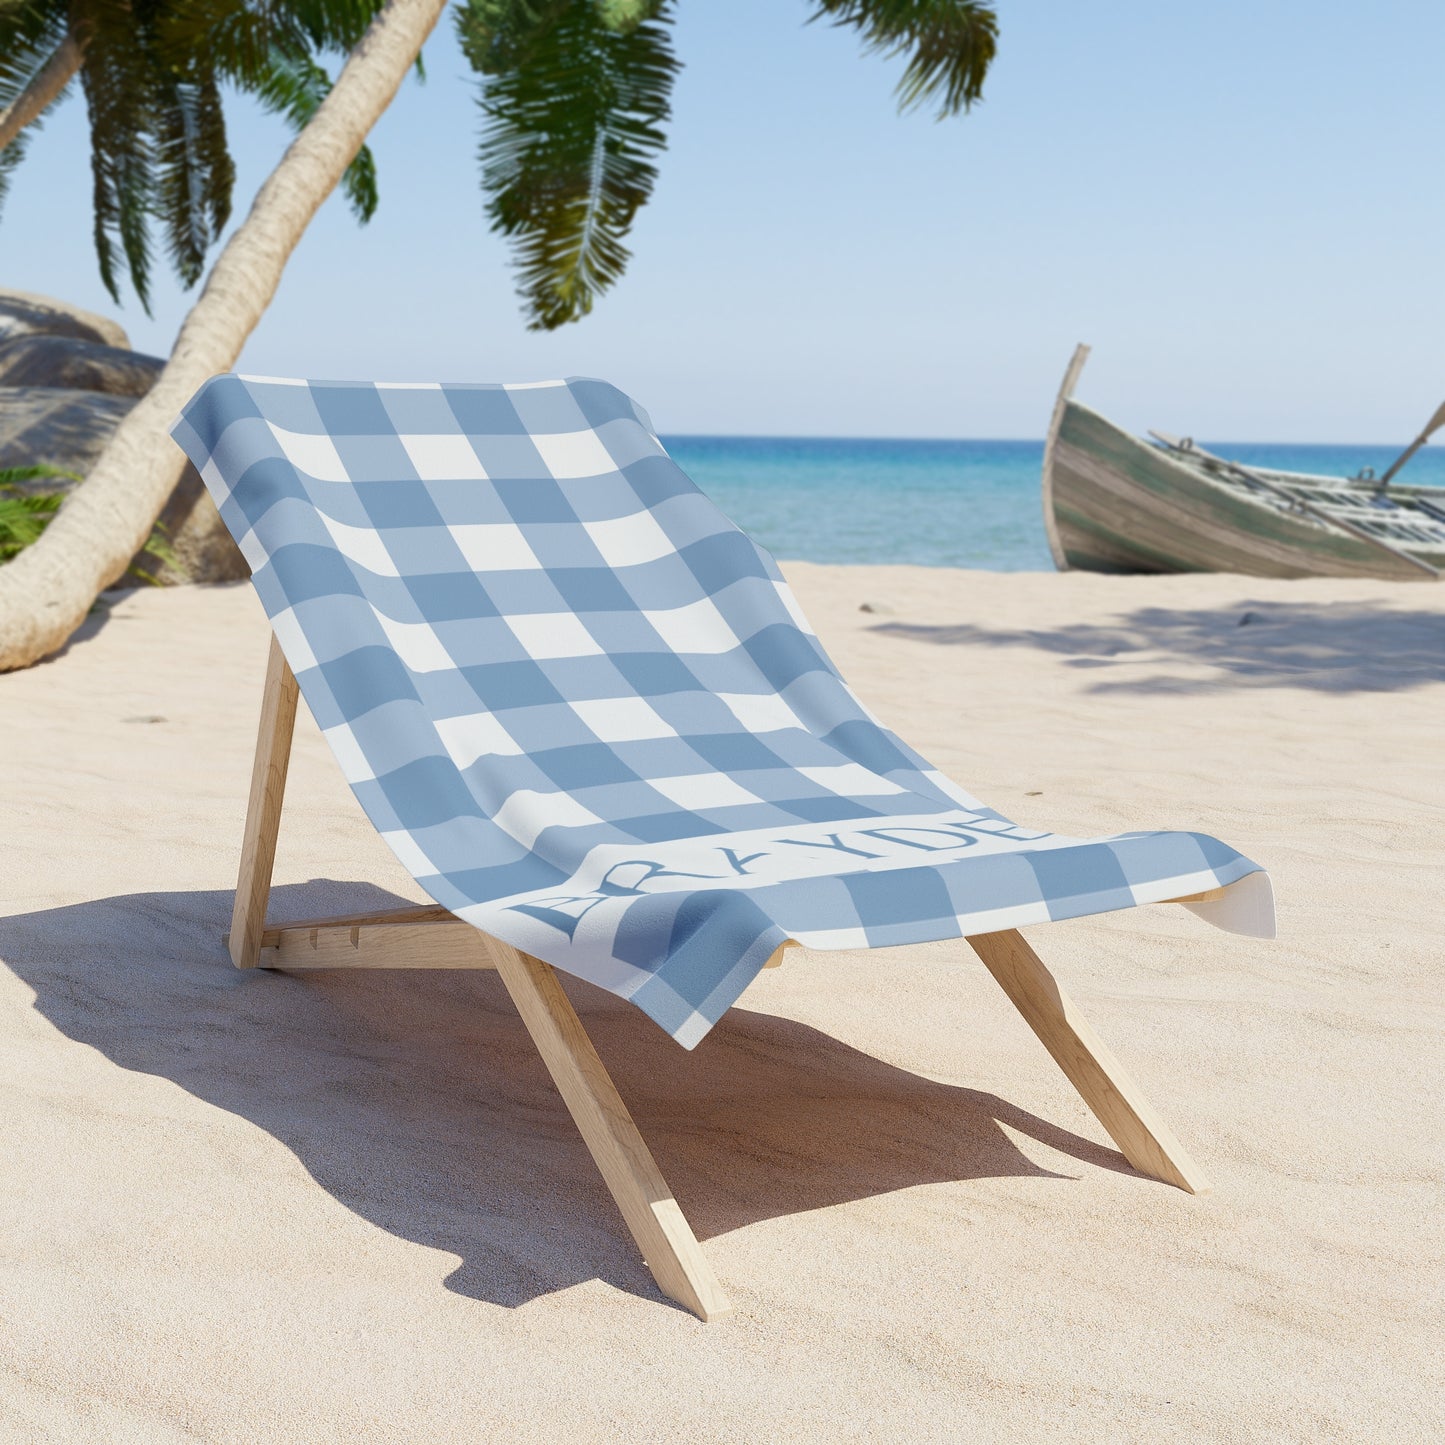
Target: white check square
x,y
494,547
623,719
790,603
292,637
362,545
703,790
553,634
439,457
476,735
698,627
253,550
315,455
216,483
574,454
526,814
417,644
354,767
628,541
760,712
850,779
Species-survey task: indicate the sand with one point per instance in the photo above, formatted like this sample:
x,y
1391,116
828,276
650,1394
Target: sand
x,y
259,1208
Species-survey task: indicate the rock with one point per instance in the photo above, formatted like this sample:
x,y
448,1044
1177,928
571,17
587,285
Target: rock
x,y
56,425
203,547
881,608
67,378
67,361
69,429
23,313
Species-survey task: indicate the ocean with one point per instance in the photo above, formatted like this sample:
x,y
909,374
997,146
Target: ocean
x,y
934,503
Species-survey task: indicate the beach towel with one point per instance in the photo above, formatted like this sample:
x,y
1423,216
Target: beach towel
x,y
585,711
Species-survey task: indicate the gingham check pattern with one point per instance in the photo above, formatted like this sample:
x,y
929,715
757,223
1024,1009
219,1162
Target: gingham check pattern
x,y
584,709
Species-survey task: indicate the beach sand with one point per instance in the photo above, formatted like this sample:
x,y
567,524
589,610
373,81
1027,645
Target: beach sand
x,y
259,1208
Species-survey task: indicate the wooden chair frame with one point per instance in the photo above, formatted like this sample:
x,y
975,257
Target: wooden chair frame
x,y
429,936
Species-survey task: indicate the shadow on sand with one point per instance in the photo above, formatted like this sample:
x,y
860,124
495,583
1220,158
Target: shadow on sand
x,y
416,1099
1321,647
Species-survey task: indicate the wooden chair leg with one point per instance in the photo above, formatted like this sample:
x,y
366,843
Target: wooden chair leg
x,y
263,810
1142,1136
662,1233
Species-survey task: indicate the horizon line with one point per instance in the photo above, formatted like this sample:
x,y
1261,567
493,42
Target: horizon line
x,y
1008,441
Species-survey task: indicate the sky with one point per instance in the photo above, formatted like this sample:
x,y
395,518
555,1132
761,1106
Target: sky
x,y
1239,205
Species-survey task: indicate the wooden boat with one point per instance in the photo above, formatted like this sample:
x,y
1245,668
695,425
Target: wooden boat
x,y
1116,503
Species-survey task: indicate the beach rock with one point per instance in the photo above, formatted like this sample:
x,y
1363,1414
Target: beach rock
x,y
67,377
22,313
56,425
67,361
69,429
203,548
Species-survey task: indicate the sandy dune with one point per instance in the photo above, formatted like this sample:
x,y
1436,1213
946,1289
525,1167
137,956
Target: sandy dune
x,y
349,1208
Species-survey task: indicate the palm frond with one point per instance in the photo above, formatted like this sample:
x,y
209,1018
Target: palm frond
x,y
624,14
116,76
236,38
950,45
194,171
11,157
11,477
575,94
29,36
497,35
269,50
334,25
24,515
157,546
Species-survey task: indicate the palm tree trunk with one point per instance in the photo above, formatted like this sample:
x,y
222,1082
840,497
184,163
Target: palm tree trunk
x,y
45,86
47,590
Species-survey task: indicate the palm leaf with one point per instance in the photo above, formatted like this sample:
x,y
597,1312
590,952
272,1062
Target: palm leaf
x,y
950,45
269,50
194,170
335,25
116,74
30,32
11,477
575,94
29,35
11,157
23,515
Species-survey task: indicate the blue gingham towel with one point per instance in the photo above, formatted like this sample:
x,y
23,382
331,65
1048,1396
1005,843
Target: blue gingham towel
x,y
585,711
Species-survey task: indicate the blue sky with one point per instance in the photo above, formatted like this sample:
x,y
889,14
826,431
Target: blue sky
x,y
1239,205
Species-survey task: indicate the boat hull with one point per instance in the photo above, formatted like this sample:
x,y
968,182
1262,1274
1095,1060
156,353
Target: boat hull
x,y
1117,504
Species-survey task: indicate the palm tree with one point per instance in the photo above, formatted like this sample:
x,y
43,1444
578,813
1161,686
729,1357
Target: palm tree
x,y
152,76
575,93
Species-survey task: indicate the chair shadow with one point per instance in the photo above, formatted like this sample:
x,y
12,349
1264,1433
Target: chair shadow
x,y
1320,647
416,1099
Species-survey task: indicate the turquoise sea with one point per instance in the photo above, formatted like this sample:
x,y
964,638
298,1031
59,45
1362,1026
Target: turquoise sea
x,y
935,503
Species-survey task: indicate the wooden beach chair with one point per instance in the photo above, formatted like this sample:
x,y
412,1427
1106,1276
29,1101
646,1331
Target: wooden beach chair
x,y
586,713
